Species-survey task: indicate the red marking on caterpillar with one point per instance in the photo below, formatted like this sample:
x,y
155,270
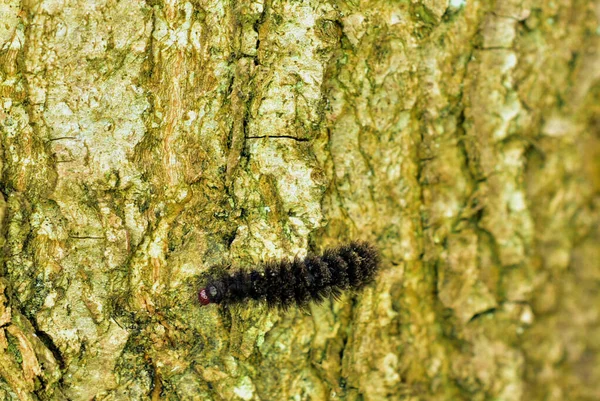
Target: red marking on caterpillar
x,y
203,298
284,283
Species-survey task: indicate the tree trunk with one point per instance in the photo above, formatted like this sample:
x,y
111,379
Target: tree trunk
x,y
145,145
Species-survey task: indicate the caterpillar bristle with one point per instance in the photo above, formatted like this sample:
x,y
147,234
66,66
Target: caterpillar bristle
x,y
300,281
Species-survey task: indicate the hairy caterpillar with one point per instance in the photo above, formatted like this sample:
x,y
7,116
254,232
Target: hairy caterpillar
x,y
284,283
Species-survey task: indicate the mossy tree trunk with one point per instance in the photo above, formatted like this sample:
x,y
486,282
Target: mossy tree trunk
x,y
144,143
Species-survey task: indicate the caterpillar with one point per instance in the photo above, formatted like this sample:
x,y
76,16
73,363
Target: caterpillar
x,y
299,281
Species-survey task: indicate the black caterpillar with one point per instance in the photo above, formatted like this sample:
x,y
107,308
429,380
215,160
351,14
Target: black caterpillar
x,y
284,283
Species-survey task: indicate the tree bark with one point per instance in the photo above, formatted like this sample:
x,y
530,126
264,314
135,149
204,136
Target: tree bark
x,y
145,144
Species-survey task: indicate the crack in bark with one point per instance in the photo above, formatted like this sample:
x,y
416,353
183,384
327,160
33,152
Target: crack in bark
x,y
279,137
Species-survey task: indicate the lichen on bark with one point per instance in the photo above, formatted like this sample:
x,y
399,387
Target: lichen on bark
x,y
146,143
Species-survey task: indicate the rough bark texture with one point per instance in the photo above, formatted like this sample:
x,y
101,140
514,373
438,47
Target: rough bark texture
x,y
144,142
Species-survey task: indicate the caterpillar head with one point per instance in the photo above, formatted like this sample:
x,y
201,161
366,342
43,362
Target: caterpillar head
x,y
208,295
203,298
